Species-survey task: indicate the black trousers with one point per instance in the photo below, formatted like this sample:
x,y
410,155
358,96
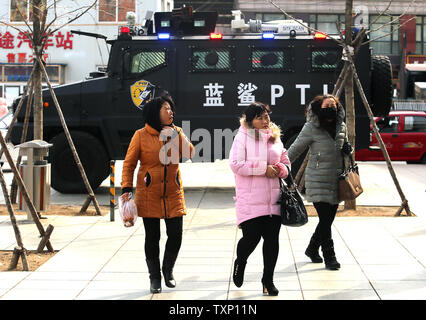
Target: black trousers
x,y
153,234
268,228
326,214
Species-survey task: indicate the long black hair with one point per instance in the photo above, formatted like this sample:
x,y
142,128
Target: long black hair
x,y
151,111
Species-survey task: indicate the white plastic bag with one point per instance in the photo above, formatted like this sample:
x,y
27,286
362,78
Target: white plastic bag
x,y
128,210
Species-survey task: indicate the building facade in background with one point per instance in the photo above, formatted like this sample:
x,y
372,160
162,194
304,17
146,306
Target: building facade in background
x,y
70,57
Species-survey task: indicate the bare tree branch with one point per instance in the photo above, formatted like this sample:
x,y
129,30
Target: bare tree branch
x,y
18,6
389,33
12,26
392,20
302,24
71,20
381,14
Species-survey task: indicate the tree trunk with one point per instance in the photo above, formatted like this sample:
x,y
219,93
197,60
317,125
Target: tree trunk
x,y
37,76
349,91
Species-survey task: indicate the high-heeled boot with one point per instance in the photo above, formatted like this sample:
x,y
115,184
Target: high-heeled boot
x,y
154,274
268,286
168,264
330,260
313,248
238,274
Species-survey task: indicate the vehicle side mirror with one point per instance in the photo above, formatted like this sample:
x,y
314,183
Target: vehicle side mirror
x,y
126,62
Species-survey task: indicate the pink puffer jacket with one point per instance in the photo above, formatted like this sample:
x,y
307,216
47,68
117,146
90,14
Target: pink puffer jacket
x,y
256,194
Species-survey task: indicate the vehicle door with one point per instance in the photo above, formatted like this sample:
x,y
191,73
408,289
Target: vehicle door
x,y
390,134
412,140
145,63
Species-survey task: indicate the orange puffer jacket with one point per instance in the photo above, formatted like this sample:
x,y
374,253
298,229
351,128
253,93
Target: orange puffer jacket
x,y
159,190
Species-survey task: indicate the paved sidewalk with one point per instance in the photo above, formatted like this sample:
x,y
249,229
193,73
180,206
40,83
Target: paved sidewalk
x,y
381,258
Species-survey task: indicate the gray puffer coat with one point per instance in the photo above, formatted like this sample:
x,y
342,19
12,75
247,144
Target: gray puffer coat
x,y
325,162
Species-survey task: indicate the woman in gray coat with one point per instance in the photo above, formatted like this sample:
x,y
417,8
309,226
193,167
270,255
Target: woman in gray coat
x,y
325,134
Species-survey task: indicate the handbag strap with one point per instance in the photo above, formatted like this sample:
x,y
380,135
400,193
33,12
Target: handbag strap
x,y
289,180
351,159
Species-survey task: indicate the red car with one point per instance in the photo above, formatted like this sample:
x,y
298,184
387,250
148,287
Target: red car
x,y
403,133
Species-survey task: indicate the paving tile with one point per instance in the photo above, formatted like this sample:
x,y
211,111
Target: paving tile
x,y
117,294
340,295
190,295
401,290
9,279
253,295
335,285
394,272
54,285
62,276
40,294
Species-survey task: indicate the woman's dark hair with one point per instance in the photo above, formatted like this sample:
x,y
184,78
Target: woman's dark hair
x,y
151,111
254,110
316,102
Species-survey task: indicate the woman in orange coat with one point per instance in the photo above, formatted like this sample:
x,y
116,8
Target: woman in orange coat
x,y
159,147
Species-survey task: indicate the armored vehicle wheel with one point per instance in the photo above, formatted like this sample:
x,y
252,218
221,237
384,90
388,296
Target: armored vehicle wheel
x,y
66,177
381,86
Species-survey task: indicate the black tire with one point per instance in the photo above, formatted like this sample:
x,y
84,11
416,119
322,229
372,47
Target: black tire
x,y
381,85
66,177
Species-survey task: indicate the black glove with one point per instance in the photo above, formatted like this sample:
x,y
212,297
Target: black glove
x,y
126,189
347,148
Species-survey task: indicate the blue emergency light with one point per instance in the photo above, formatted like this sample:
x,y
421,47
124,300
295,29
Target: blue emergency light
x,y
268,35
163,36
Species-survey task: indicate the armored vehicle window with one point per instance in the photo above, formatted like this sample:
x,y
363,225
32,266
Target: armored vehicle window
x,y
269,60
324,59
212,60
147,60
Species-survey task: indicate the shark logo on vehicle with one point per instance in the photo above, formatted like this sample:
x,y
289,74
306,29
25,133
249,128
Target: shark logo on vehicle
x,y
142,92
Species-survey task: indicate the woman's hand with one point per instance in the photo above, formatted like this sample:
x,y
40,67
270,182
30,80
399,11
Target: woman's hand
x,y
272,171
126,196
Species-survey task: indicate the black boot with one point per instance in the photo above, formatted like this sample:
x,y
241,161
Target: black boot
x,y
154,275
312,249
168,264
238,274
327,247
268,287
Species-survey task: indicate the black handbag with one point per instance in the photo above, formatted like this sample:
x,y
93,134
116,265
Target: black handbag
x,y
293,211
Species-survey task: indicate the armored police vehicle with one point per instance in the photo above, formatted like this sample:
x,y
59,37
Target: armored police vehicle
x,y
211,76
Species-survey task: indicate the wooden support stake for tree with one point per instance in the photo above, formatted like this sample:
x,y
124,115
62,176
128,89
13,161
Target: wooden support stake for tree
x,y
91,196
24,191
20,250
404,205
45,238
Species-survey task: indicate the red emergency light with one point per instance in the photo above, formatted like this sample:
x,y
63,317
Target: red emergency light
x,y
124,30
216,36
320,35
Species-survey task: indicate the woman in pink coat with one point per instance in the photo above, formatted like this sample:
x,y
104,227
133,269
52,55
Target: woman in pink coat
x,y
258,158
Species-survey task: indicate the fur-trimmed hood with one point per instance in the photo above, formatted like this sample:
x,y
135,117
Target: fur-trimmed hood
x,y
273,133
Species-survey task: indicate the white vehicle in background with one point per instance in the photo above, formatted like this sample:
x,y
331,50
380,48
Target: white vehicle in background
x,y
5,121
